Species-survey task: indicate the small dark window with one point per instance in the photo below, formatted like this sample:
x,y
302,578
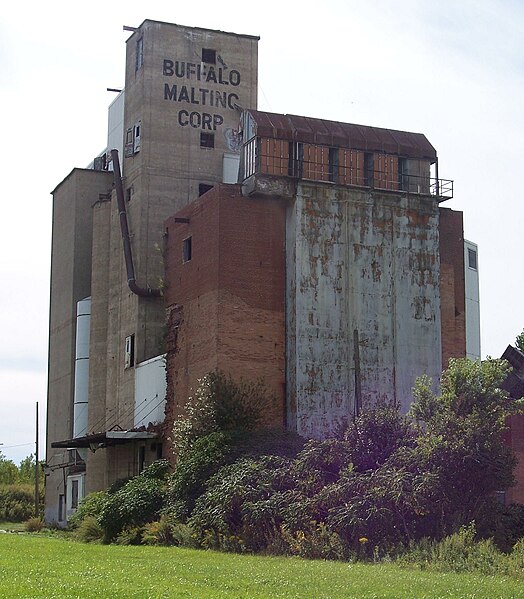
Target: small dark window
x,y
207,140
333,164
139,61
129,193
472,258
187,250
203,187
74,494
209,56
368,169
402,174
129,352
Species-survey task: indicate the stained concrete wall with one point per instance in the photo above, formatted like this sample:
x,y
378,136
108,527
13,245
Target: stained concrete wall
x,y
70,282
365,261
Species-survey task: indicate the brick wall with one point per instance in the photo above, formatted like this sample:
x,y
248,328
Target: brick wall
x,y
515,439
452,291
225,306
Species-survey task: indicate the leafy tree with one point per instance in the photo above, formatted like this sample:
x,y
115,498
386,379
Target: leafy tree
x,y
519,342
26,470
8,471
460,440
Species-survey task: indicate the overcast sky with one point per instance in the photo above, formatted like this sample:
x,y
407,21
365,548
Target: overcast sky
x,y
453,70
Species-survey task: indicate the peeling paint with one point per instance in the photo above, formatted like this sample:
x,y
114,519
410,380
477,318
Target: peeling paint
x,y
366,261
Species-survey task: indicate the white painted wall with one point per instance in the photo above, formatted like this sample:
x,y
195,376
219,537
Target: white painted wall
x,y
471,278
115,126
150,391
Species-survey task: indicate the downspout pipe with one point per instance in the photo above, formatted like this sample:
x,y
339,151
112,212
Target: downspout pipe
x,y
124,228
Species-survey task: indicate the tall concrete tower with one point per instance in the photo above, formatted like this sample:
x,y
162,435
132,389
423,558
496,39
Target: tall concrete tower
x,y
184,90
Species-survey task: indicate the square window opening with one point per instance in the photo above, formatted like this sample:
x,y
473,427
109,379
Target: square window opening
x,y
187,249
209,56
207,140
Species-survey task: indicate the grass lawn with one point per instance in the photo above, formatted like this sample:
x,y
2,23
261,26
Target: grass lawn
x,y
40,566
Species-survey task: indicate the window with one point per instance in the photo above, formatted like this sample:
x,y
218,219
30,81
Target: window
x,y
74,494
129,352
129,145
403,174
296,157
129,193
137,132
333,164
472,259
368,169
187,250
139,59
209,56
202,188
207,140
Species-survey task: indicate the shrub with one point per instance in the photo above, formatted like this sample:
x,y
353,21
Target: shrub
x,y
316,542
139,501
193,469
34,525
17,502
90,506
130,535
89,530
224,515
166,532
459,552
220,404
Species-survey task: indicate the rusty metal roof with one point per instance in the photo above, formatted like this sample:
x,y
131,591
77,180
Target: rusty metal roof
x,y
345,135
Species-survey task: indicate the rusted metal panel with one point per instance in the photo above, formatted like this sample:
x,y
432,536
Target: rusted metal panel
x,y
345,135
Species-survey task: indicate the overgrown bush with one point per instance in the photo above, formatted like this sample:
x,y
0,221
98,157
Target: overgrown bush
x,y
459,552
130,535
220,404
34,525
89,530
193,469
318,541
17,502
139,501
90,506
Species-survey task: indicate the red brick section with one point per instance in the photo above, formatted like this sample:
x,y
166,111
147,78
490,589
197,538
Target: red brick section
x,y
452,290
515,439
226,306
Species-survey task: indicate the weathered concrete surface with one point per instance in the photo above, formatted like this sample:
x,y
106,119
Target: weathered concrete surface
x,y
70,282
361,261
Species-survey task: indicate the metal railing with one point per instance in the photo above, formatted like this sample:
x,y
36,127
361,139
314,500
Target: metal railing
x,y
339,166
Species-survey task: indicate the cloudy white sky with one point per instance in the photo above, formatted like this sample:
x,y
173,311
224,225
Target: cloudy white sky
x,y
451,70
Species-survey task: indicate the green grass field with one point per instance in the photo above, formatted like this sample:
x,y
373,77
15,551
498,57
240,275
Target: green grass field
x,y
42,566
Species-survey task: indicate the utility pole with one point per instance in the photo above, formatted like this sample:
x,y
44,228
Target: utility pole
x,y
37,494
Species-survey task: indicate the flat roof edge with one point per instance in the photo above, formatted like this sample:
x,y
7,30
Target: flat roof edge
x,y
253,37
